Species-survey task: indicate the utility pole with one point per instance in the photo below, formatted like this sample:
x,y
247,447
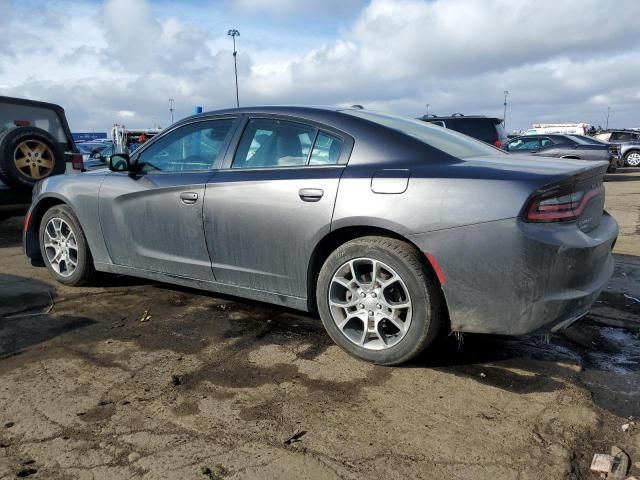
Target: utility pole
x,y
235,33
171,109
504,115
608,112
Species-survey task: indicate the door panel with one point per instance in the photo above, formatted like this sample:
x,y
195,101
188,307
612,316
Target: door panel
x,y
147,224
153,219
262,225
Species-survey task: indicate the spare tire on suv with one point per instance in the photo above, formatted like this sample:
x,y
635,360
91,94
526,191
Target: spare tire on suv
x,y
27,155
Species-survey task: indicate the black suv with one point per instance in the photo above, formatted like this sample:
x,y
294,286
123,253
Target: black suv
x,y
488,129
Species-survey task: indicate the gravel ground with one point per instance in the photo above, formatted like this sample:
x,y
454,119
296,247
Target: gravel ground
x,y
213,387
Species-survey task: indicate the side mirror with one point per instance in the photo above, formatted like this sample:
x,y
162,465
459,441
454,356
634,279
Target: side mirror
x,y
119,162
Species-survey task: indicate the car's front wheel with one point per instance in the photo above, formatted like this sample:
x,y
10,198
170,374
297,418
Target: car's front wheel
x,y
378,301
64,247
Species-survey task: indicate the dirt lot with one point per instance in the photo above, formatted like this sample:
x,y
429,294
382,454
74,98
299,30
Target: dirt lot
x,y
212,387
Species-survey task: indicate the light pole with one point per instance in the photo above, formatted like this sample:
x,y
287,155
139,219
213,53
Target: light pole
x,y
608,112
171,109
235,33
504,115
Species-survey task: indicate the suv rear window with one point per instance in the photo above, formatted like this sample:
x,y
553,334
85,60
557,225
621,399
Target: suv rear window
x,y
444,139
480,128
33,116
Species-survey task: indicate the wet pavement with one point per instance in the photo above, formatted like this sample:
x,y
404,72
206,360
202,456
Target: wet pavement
x,y
216,387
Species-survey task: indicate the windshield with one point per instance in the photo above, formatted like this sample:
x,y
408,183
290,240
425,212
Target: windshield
x,y
89,147
446,140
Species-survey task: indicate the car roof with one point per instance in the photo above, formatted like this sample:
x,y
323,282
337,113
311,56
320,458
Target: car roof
x,y
332,116
545,135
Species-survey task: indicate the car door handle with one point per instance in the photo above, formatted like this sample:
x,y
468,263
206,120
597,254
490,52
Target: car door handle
x,y
189,198
310,194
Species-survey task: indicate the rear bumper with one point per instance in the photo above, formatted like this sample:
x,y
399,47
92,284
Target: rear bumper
x,y
514,278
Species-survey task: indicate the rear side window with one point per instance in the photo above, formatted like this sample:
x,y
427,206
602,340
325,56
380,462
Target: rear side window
x,y
270,143
621,136
326,150
480,128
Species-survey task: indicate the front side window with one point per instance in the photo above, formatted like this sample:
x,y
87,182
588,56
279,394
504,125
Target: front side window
x,y
523,144
268,143
194,147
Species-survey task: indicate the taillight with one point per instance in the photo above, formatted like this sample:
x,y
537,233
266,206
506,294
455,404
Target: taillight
x,y
77,163
560,206
497,144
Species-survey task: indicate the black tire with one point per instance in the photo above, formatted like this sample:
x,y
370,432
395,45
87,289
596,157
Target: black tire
x,y
425,294
22,178
84,270
612,168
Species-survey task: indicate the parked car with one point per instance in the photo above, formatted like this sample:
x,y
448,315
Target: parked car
x,y
35,143
488,129
392,229
629,141
621,149
95,154
558,128
565,146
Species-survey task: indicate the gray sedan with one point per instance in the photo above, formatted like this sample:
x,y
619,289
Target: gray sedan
x,y
566,146
392,229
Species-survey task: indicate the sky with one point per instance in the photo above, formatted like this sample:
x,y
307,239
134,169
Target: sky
x,y
119,61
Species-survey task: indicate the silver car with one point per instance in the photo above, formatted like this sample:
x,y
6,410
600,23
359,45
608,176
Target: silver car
x,y
629,141
392,229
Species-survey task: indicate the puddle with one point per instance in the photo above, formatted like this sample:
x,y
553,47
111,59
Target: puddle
x,y
623,355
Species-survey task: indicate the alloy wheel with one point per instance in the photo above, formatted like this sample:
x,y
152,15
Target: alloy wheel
x,y
370,303
61,247
633,159
33,159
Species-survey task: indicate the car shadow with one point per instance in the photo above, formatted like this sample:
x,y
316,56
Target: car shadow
x,y
515,364
622,175
11,232
25,320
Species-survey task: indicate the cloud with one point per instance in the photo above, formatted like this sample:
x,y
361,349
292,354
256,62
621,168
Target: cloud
x,y
562,61
293,8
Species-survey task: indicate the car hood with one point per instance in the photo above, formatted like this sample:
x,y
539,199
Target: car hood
x,y
97,171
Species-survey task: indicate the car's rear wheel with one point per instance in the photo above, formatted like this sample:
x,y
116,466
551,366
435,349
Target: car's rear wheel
x,y
632,158
378,301
64,247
